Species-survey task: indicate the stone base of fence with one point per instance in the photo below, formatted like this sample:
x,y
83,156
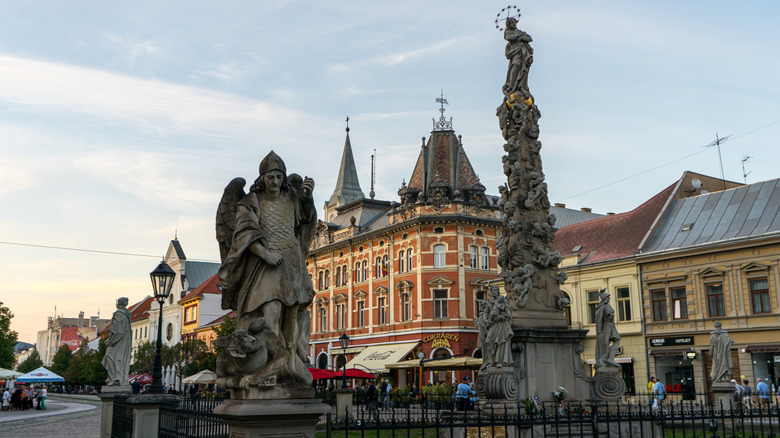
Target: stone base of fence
x,y
107,407
146,413
272,418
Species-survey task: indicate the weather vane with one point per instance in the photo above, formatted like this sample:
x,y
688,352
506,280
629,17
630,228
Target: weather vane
x,y
511,12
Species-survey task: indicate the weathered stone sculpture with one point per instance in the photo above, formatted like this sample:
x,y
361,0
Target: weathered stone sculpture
x,y
720,350
118,346
525,252
499,330
263,237
607,336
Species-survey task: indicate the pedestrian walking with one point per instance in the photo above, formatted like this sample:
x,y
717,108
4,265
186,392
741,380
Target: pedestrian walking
x,y
659,395
762,392
372,395
6,399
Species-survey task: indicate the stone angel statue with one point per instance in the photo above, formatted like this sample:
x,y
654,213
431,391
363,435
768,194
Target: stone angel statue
x,y
264,236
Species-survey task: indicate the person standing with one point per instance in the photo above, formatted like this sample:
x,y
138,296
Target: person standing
x,y
43,398
463,394
659,395
762,392
372,395
6,399
748,391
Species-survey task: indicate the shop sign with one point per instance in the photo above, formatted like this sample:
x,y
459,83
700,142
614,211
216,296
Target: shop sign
x,y
690,355
667,342
441,340
777,359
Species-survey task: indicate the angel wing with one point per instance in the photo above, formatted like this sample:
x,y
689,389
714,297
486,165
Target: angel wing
x,y
226,215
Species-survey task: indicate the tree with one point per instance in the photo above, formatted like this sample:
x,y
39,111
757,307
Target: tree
x,y
225,329
8,338
61,360
32,362
86,367
144,358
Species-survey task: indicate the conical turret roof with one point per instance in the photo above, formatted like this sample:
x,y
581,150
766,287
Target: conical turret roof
x,y
347,184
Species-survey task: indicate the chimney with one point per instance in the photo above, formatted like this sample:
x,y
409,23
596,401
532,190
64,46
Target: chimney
x,y
610,213
586,209
560,205
81,319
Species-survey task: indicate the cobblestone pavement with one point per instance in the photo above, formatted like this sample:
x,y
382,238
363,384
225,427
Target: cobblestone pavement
x,y
72,421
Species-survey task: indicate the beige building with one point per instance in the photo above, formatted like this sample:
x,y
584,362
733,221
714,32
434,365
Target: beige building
x,y
714,257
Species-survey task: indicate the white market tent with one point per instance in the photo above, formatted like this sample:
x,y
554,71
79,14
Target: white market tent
x,y
8,374
40,375
205,376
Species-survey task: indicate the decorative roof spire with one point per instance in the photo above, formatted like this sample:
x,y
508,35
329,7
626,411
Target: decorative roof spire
x,y
442,124
347,184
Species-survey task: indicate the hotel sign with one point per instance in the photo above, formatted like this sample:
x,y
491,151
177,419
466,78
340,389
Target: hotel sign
x,y
669,342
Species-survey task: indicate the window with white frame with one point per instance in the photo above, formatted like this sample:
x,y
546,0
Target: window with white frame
x,y
439,256
337,280
378,267
344,275
401,261
406,306
679,303
365,270
323,317
623,303
759,295
327,278
409,265
361,313
473,256
357,272
385,265
381,303
484,258
715,302
439,304
479,301
341,316
593,301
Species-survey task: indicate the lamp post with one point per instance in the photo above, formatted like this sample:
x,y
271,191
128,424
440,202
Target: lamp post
x,y
162,282
344,341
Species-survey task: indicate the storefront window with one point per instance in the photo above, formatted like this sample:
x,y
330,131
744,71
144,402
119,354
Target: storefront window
x,y
715,306
676,373
759,295
767,367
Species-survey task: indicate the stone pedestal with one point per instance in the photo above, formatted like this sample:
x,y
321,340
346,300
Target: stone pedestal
x,y
546,358
272,418
608,385
344,403
724,395
146,413
107,395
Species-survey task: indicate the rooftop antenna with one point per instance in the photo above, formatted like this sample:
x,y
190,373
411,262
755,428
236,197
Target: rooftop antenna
x,y
717,142
745,174
373,174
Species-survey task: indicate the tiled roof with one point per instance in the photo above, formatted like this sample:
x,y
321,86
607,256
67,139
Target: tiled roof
x,y
567,216
210,286
741,212
221,319
140,310
613,236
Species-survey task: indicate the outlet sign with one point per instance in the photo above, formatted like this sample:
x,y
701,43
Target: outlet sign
x,y
669,342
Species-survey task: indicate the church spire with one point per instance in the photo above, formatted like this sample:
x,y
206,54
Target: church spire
x,y
347,184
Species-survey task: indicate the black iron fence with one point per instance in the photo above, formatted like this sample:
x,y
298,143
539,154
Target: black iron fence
x,y
674,418
192,418
122,418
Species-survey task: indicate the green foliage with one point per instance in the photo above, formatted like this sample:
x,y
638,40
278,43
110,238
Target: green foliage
x,y
32,362
86,367
144,358
8,338
225,329
61,360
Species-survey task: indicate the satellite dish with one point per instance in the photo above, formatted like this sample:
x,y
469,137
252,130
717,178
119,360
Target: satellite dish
x,y
696,183
704,192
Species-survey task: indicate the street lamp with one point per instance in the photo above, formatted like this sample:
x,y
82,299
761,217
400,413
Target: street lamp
x,y
162,282
344,341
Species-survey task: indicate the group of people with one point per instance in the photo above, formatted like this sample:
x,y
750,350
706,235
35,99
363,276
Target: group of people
x,y
743,393
22,399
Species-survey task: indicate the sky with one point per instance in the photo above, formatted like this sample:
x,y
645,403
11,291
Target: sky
x,y
122,122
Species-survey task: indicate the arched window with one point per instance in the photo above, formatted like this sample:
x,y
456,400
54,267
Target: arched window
x,y
384,266
484,260
378,268
341,360
479,233
344,275
401,261
365,270
322,361
320,281
357,273
567,310
327,278
409,265
473,256
337,280
439,259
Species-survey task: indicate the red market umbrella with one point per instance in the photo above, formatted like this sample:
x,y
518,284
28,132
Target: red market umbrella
x,y
354,373
318,374
142,379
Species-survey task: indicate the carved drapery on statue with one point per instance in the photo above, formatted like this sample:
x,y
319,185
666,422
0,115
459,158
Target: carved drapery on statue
x,y
530,266
720,350
607,336
118,346
263,238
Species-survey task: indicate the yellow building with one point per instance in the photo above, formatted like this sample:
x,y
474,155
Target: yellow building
x,y
201,307
714,258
